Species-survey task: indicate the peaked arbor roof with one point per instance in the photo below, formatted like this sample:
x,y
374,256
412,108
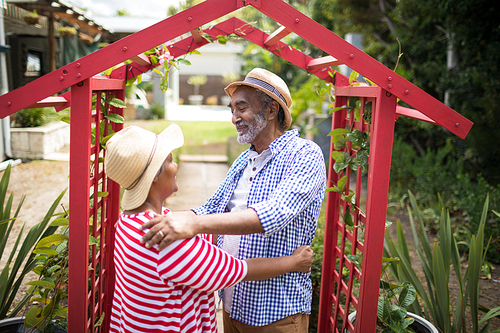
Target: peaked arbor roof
x,y
132,47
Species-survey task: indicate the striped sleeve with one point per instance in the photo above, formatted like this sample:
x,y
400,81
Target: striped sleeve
x,y
198,264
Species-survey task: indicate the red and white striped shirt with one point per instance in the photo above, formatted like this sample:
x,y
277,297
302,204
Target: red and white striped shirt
x,y
169,290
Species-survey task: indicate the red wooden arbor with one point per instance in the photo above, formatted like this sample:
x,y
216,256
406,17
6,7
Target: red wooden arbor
x,y
88,301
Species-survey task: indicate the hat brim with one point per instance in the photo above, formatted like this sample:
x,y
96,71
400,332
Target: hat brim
x,y
288,117
169,139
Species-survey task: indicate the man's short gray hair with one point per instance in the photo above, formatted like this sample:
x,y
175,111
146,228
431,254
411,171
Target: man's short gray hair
x,y
265,99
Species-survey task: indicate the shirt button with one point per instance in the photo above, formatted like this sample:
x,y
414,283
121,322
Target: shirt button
x,y
251,178
253,169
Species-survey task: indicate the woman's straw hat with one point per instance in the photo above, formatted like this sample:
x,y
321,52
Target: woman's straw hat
x,y
134,156
269,83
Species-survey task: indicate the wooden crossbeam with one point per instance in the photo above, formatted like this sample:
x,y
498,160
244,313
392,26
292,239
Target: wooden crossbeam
x,y
327,61
53,101
276,36
196,36
414,114
141,59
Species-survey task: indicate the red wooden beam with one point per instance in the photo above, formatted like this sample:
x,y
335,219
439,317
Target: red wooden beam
x,y
414,114
327,61
196,36
105,83
141,59
276,36
365,65
54,101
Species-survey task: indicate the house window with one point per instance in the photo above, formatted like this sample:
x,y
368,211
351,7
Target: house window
x,y
33,64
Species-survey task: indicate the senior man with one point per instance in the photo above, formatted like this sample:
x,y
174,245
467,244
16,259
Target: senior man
x,y
267,206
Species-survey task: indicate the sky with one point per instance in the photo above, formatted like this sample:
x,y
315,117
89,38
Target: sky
x,y
148,8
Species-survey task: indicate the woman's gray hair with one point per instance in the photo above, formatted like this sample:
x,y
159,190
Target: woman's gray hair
x,y
266,100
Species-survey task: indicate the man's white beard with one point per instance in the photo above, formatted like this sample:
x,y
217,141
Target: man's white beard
x,y
254,128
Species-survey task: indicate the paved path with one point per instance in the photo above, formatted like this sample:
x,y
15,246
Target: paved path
x,y
197,182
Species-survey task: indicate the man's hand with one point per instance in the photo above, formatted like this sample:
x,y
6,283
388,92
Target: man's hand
x,y
303,257
164,229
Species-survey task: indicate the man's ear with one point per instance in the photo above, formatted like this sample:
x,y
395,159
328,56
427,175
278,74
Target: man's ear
x,y
274,108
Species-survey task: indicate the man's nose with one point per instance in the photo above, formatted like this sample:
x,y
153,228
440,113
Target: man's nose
x,y
235,117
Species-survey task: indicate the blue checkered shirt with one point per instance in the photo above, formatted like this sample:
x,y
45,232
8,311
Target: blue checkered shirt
x,y
286,194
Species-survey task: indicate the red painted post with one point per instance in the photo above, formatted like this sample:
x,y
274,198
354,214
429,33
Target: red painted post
x,y
376,209
79,170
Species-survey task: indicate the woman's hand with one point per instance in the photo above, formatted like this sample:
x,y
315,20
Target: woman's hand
x,y
303,258
165,229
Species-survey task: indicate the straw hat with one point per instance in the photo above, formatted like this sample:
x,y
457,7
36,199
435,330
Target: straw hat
x,y
134,156
269,83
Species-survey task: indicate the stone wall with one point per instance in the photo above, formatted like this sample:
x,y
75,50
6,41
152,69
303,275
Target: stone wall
x,y
38,142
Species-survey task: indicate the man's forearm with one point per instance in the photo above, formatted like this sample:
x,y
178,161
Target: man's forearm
x,y
235,223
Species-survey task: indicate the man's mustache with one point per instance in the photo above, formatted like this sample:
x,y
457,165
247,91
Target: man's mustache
x,y
242,123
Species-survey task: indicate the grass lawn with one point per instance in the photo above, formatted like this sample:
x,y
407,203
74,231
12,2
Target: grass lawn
x,y
200,137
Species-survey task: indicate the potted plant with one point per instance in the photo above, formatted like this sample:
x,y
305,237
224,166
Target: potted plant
x,y
13,272
31,18
196,81
85,39
66,31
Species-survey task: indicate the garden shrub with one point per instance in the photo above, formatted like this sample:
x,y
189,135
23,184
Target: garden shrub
x,y
441,174
35,117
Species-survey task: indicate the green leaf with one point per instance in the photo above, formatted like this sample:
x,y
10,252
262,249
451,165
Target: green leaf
x,y
338,131
222,39
100,321
115,118
353,77
338,156
339,166
157,71
116,102
60,222
164,84
42,283
407,295
45,250
93,241
102,194
195,52
184,61
51,240
34,316
348,217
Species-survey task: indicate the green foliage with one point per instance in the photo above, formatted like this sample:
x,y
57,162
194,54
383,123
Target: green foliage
x,y
307,97
442,173
157,111
437,261
35,117
12,275
392,304
50,289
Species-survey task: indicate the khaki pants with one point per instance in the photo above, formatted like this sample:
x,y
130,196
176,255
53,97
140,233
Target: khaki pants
x,y
297,323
